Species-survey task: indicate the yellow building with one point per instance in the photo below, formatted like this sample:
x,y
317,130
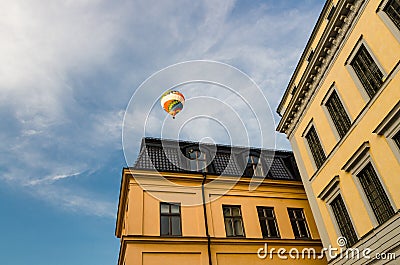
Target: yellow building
x,y
341,114
191,203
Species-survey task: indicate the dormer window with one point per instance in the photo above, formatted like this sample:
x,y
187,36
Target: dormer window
x,y
197,160
254,167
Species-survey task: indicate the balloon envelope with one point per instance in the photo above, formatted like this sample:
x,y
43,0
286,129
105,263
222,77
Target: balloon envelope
x,y
172,102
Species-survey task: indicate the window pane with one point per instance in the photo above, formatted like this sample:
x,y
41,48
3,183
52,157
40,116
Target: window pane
x,y
303,229
233,221
170,219
295,229
201,155
343,220
367,71
255,159
272,228
176,225
338,114
299,224
174,208
197,161
238,227
392,9
269,212
267,222
193,165
192,155
229,227
164,208
165,225
235,211
254,166
375,193
298,213
259,171
260,212
227,211
264,229
291,213
315,147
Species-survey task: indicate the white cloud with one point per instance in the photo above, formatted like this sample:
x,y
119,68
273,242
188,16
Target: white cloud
x,y
69,67
50,179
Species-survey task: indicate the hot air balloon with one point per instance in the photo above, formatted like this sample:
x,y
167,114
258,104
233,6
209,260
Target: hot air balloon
x,y
172,102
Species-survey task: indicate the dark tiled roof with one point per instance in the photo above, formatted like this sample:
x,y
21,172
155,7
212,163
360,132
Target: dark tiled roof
x,y
164,156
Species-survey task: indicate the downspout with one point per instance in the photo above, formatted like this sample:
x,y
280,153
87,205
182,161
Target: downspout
x,y
205,218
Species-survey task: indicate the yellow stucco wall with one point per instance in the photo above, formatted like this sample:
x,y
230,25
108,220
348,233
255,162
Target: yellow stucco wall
x,y
386,49
141,242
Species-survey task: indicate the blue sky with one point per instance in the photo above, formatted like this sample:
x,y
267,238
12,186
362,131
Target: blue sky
x,y
68,70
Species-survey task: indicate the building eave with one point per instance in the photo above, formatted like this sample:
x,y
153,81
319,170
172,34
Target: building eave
x,y
325,52
314,32
126,173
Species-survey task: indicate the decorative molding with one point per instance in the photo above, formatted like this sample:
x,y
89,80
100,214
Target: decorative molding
x,y
390,119
329,188
325,52
356,157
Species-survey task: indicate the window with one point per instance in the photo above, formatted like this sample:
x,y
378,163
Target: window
x,y
233,221
338,114
375,194
170,222
299,224
367,71
396,139
392,9
269,228
343,220
198,161
315,147
254,166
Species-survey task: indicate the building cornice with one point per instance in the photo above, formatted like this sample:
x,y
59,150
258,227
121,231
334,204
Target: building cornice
x,y
328,46
123,194
217,240
197,177
303,57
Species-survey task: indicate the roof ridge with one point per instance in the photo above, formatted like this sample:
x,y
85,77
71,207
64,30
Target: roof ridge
x,y
218,145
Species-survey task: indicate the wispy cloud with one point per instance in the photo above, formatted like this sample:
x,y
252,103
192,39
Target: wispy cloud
x,y
50,179
69,67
